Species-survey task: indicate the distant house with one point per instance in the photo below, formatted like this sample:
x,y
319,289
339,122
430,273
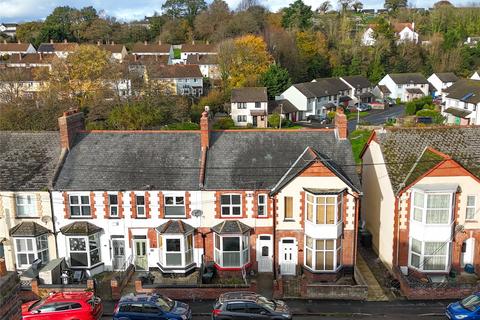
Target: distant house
x,y
10,29
248,106
29,60
7,48
360,89
461,102
178,79
208,64
406,86
381,92
197,49
118,51
19,82
316,97
155,49
475,75
441,81
406,32
368,37
283,107
60,49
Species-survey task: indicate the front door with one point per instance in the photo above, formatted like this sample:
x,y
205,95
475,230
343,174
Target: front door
x,y
118,248
265,253
255,121
140,247
466,256
288,256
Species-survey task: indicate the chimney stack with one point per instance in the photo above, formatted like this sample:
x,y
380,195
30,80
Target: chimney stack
x,y
71,122
341,127
3,268
205,130
40,56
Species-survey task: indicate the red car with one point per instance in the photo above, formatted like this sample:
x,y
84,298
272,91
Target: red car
x,y
64,306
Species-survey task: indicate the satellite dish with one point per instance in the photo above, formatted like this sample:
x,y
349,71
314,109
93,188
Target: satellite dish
x,y
197,213
46,219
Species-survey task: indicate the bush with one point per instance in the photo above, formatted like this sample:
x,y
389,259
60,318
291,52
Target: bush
x,y
274,120
436,116
410,108
224,123
398,101
331,116
182,126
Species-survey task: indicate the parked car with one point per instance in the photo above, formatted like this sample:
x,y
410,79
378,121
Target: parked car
x,y
389,101
72,305
317,118
466,309
150,306
363,106
249,305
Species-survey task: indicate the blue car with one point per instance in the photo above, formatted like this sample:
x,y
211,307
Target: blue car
x,y
466,309
150,306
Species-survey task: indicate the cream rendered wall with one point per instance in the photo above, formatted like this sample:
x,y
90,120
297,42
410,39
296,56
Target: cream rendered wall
x,y
378,203
8,221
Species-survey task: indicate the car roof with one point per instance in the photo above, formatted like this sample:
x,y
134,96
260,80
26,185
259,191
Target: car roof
x,y
138,298
69,296
239,295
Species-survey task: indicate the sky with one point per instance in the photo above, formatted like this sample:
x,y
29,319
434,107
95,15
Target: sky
x,y
27,10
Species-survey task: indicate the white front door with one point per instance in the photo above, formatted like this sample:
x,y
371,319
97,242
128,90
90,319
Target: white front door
x,y
467,252
265,253
288,256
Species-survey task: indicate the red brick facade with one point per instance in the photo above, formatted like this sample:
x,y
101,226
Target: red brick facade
x,y
133,205
161,205
66,205
106,205
120,205
147,205
93,207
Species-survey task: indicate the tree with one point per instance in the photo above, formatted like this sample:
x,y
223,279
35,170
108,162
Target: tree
x,y
29,32
57,25
394,5
297,16
244,5
276,79
242,60
211,23
345,4
274,120
357,6
187,9
324,7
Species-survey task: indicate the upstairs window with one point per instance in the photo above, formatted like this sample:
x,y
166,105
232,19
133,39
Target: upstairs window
x,y
25,205
241,105
471,208
174,206
140,202
113,205
258,105
288,210
324,209
432,208
79,206
231,205
262,205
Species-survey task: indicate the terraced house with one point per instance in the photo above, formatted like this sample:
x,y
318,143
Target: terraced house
x,y
422,191
266,200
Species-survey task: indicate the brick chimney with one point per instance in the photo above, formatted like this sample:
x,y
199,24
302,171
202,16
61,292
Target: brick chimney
x,y
205,130
3,268
71,122
341,127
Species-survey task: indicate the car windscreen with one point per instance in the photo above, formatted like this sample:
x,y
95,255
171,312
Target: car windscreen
x,y
267,304
471,303
165,303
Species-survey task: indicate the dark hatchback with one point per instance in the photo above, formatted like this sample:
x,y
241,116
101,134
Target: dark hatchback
x,y
150,306
249,305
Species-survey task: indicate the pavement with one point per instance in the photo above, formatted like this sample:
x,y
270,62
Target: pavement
x,y
375,291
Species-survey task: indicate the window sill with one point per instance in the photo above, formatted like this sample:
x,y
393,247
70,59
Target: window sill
x,y
83,217
288,220
220,268
232,217
322,271
17,217
471,221
174,217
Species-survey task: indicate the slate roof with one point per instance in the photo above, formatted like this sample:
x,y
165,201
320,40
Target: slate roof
x,y
175,227
231,227
15,47
173,71
199,47
461,113
202,59
19,74
28,229
146,59
132,161
151,48
321,87
28,160
466,90
447,76
383,89
110,47
249,94
403,147
248,159
29,58
286,106
406,78
357,81
58,46
414,91
80,228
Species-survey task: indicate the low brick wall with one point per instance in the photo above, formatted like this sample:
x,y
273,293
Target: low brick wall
x,y
10,303
39,291
192,292
119,282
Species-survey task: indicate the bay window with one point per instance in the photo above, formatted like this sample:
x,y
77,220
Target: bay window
x,y
231,251
429,255
29,249
174,206
176,250
323,209
231,205
25,205
432,208
323,254
79,205
84,251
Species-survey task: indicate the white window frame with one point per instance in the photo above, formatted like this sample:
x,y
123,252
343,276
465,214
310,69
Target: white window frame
x,y
231,206
112,207
471,208
175,204
26,202
262,205
424,257
244,249
241,105
140,206
241,118
88,251
424,208
36,250
338,208
81,205
187,245
337,254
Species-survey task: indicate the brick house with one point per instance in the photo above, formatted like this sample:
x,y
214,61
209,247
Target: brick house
x,y
171,200
422,197
28,165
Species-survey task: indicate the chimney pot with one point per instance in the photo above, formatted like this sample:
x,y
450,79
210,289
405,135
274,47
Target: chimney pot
x,y
51,40
205,129
160,42
65,41
71,122
19,41
98,42
341,126
145,42
4,41
193,41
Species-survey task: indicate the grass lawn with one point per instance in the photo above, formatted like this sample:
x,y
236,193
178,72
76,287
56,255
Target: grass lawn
x,y
358,139
177,53
353,115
